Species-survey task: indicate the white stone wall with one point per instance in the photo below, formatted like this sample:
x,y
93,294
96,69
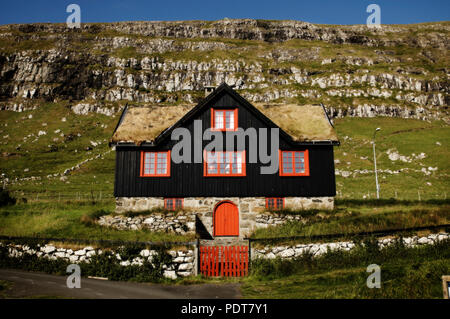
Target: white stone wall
x,y
177,222
289,252
183,261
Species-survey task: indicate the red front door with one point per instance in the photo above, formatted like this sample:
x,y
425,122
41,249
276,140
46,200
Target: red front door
x,y
226,220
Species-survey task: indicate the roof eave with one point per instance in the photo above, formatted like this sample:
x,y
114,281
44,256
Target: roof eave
x,y
153,144
133,144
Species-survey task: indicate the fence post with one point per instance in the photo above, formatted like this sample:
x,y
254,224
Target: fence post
x,y
196,256
249,256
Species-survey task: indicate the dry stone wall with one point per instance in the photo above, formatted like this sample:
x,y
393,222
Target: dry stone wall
x,y
317,249
183,261
180,223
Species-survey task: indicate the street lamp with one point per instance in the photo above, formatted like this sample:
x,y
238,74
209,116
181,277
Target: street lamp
x,y
375,163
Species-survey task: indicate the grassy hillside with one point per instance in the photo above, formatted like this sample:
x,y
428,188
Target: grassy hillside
x,y
41,156
409,138
25,154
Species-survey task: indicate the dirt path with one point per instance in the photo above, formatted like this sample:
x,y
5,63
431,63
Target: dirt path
x,y
29,284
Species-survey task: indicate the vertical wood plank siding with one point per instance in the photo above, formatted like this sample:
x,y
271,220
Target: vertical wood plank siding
x,y
187,180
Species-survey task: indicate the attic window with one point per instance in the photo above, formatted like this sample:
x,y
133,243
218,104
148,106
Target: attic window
x,y
224,120
224,164
155,164
173,203
274,203
294,163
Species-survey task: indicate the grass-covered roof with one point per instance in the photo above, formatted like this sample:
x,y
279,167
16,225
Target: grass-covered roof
x,y
301,122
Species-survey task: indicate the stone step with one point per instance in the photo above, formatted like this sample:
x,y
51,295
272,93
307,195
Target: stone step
x,y
224,241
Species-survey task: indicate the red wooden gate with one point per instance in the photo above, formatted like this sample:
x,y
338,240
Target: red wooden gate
x,y
228,261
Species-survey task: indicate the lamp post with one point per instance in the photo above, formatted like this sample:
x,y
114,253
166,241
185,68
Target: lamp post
x,y
375,163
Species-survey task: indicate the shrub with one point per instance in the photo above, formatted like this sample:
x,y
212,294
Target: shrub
x,y
6,198
129,251
87,220
99,213
32,263
90,219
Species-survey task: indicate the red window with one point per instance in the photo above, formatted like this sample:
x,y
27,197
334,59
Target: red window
x,y
173,203
274,203
294,163
156,164
224,120
224,163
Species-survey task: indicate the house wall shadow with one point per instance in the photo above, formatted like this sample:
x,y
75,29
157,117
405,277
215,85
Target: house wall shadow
x,y
201,229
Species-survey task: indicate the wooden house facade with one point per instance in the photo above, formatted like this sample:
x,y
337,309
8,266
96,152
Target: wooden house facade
x,y
226,190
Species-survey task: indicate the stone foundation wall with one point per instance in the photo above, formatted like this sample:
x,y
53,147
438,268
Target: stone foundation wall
x,y
252,210
138,204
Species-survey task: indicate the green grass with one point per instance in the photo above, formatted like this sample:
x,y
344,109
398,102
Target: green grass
x,y
405,273
407,137
71,220
4,287
344,221
41,160
126,52
11,46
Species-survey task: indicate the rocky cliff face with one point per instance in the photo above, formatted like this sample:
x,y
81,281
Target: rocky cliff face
x,y
353,70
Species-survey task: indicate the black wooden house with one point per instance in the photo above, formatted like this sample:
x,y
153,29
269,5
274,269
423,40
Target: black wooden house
x,y
225,189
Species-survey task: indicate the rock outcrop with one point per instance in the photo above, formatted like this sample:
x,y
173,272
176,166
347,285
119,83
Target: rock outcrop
x,y
354,71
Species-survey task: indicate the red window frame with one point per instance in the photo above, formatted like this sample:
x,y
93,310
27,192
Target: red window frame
x,y
294,173
230,174
213,119
174,203
276,205
155,174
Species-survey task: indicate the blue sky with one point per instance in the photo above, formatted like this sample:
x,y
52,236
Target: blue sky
x,y
316,11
